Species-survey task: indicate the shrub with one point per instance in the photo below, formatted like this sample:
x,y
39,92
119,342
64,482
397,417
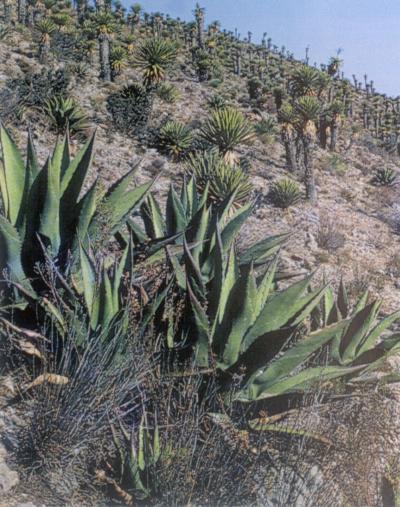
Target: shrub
x,y
64,114
329,236
168,93
175,138
131,108
285,193
216,102
33,90
221,178
254,87
384,177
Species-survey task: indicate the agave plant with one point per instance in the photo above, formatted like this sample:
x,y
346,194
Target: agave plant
x,y
220,178
153,57
364,339
168,93
384,177
118,61
285,193
226,129
45,213
175,138
64,114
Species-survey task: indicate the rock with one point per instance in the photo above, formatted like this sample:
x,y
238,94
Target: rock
x,y
8,478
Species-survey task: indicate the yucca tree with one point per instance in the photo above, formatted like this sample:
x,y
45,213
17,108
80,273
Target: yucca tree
x,y
199,13
81,8
134,16
286,117
46,28
105,26
334,66
335,112
307,111
22,11
305,81
8,8
175,138
153,57
45,212
226,129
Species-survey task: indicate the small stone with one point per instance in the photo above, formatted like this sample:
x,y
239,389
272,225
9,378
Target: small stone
x,y
8,478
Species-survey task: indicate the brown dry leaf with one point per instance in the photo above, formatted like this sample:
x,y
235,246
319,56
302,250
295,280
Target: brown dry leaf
x,y
29,348
51,378
27,332
126,497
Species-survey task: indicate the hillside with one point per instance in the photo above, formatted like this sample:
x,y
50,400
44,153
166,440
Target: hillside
x,y
186,312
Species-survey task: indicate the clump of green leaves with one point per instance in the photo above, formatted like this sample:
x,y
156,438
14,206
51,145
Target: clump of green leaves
x,y
168,93
131,108
285,193
226,129
154,57
64,113
221,178
384,177
175,138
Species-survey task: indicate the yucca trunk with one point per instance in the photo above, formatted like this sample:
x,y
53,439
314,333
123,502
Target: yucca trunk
x,y
104,50
100,5
22,11
287,137
308,142
200,28
7,11
334,132
44,49
81,7
29,15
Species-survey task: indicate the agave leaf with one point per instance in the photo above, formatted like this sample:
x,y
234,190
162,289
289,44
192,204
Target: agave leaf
x,y
14,178
278,311
197,232
362,302
343,300
245,306
296,355
10,254
355,333
371,339
74,176
201,330
265,287
263,250
153,219
50,215
88,274
87,206
32,166
296,383
136,232
180,274
193,273
175,218
258,425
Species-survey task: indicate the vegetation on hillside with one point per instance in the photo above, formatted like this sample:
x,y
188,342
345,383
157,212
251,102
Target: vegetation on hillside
x,y
158,360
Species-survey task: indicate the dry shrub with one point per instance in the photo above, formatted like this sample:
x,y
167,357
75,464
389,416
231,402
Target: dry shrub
x,y
329,237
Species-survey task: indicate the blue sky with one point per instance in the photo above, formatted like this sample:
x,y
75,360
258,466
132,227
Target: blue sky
x,y
368,31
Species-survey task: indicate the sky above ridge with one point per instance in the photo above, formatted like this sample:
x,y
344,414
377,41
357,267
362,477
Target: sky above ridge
x,y
368,31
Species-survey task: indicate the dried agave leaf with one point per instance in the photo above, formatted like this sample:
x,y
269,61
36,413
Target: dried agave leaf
x,y
29,349
124,495
51,378
27,332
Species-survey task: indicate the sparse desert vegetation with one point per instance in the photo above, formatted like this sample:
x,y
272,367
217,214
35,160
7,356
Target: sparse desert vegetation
x,y
199,267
